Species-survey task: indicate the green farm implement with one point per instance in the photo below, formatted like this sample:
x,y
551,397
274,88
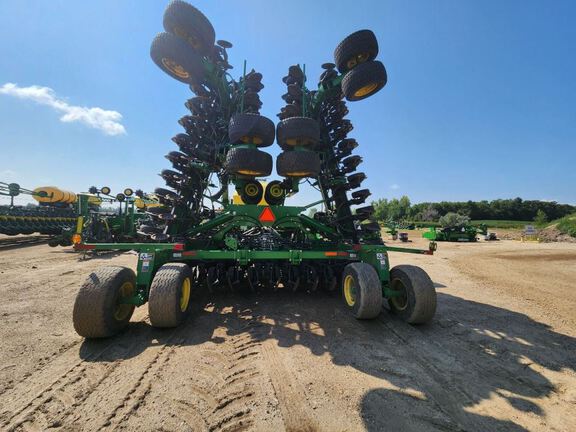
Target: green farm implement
x,y
465,233
50,217
200,238
94,223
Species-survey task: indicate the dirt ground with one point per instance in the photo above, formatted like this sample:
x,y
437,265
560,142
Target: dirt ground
x,y
500,354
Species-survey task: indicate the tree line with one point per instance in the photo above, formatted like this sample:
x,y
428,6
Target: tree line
x,y
500,209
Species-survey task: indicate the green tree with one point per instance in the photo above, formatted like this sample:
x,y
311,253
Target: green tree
x,y
541,218
453,220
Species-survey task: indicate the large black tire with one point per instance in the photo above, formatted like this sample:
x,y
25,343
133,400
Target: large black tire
x,y
362,290
251,192
418,305
275,193
357,48
251,128
249,162
169,298
185,21
295,131
97,310
293,163
178,59
364,80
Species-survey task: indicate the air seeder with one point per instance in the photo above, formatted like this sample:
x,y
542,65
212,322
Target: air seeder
x,y
200,238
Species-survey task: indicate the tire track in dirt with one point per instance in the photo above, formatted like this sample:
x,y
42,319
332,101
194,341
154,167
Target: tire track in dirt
x,y
442,391
450,390
60,356
224,386
139,390
290,393
50,398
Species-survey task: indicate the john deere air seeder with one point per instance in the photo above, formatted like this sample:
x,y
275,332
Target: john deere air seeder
x,y
201,239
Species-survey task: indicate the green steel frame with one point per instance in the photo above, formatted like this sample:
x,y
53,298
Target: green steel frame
x,y
326,246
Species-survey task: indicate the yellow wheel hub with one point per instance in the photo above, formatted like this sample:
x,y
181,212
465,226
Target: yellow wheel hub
x,y
400,302
123,310
185,296
276,191
355,61
350,290
175,68
251,190
366,90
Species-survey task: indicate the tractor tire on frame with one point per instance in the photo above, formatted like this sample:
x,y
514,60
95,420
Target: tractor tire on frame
x,y
188,23
98,312
251,129
297,131
248,162
357,48
251,192
418,304
298,163
169,298
364,80
275,193
177,58
362,290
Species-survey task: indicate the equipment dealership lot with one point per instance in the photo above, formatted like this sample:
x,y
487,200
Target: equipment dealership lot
x,y
499,354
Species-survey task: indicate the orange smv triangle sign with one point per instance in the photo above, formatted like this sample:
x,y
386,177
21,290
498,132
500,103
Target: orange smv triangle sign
x,y
267,215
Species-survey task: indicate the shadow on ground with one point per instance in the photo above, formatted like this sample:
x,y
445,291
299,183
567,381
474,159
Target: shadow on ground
x,y
431,375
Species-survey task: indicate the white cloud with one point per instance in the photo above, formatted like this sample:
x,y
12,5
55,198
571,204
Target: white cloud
x,y
394,186
107,121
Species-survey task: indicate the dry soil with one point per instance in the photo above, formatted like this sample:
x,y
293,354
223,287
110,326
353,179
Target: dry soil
x,y
500,354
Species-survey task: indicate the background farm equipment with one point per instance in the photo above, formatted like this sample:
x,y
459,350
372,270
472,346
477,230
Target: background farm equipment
x,y
457,228
199,239
96,223
465,233
53,213
393,228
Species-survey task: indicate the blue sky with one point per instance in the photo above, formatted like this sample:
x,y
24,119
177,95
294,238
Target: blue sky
x,y
480,103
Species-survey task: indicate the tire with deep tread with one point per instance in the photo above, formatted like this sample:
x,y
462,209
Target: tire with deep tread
x,y
188,23
97,299
368,290
370,75
300,130
360,42
168,49
249,162
292,163
420,294
251,126
165,292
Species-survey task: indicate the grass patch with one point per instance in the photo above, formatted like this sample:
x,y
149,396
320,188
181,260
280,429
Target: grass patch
x,y
502,223
567,224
